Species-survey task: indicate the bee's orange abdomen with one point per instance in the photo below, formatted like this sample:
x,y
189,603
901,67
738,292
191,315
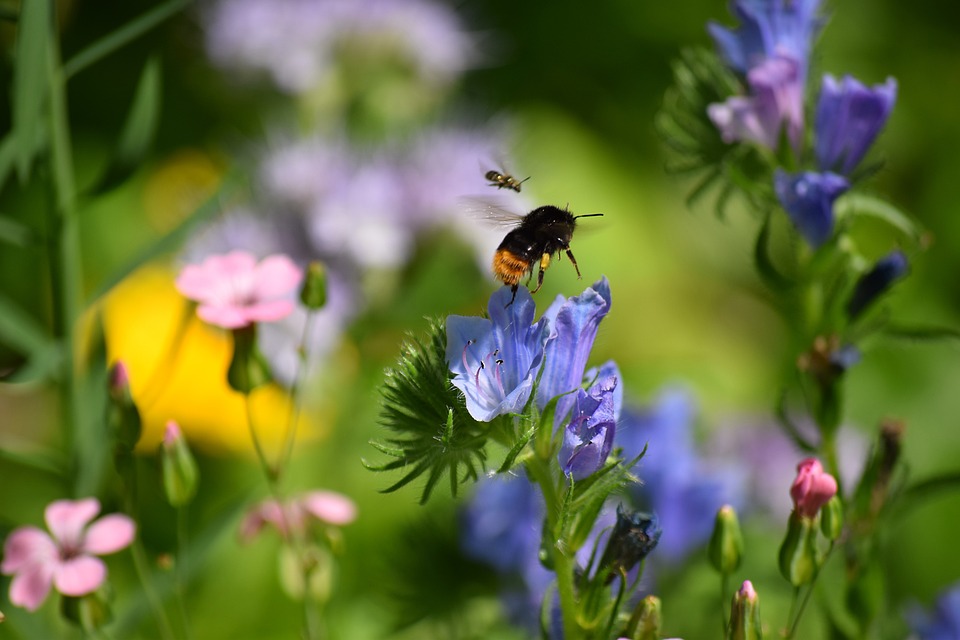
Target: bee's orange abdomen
x,y
508,267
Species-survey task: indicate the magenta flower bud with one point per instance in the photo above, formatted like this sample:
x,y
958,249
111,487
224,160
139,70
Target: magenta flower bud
x,y
745,614
119,381
179,469
812,488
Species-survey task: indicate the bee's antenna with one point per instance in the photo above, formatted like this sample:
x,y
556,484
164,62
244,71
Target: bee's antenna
x,y
588,215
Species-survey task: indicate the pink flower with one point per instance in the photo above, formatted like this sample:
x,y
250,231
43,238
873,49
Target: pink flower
x,y
234,290
812,488
66,561
327,507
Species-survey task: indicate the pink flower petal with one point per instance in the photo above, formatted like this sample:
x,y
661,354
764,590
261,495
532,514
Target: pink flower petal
x,y
270,311
79,576
330,507
30,587
195,283
109,534
228,317
275,277
66,519
25,547
236,264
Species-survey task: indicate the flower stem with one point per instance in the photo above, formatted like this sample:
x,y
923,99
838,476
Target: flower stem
x,y
724,604
159,613
181,568
563,562
301,370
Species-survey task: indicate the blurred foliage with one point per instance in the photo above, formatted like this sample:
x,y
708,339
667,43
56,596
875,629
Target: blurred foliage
x,y
584,83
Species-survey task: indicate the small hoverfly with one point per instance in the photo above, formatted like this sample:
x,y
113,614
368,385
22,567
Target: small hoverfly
x,y
541,233
502,180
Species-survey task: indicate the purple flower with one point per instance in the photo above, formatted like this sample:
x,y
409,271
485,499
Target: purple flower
x,y
875,282
776,101
808,199
943,622
768,28
849,117
588,435
299,43
682,487
573,328
495,360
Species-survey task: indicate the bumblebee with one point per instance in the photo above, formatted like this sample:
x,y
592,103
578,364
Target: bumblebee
x,y
541,233
502,180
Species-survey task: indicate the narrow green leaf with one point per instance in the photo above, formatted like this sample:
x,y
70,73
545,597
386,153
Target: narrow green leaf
x,y
138,131
922,334
29,81
46,462
854,205
8,156
761,258
115,40
19,330
14,233
511,458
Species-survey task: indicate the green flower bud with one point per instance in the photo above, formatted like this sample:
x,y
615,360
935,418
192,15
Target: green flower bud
x,y
179,469
745,614
122,414
726,543
646,620
248,369
89,612
313,295
798,553
831,519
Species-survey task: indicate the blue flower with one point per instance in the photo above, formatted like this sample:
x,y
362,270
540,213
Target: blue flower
x,y
495,360
943,623
501,524
776,101
768,28
683,488
589,433
849,117
808,199
574,323
875,282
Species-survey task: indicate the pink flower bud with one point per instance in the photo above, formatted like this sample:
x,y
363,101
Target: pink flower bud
x,y
119,380
171,434
812,488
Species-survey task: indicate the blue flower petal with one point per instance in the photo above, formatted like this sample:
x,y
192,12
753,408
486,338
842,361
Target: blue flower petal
x,y
808,199
848,119
589,433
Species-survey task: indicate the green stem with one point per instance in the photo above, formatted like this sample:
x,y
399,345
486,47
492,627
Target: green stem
x,y
563,562
806,597
181,568
291,434
140,564
725,604
793,608
268,470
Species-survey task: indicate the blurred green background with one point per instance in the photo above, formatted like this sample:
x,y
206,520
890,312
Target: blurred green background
x,y
583,82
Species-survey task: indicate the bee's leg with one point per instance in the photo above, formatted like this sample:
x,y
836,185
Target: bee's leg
x,y
514,296
544,263
574,261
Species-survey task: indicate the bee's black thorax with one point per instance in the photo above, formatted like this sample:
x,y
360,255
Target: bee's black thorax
x,y
545,230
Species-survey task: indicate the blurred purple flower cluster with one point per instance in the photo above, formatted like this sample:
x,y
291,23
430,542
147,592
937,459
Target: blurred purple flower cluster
x,y
298,43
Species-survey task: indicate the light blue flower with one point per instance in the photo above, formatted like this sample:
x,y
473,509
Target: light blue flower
x,y
849,117
808,199
495,360
573,328
590,429
768,28
943,622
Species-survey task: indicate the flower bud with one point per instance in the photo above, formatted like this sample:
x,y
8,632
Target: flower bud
x,y
178,466
876,282
831,519
89,612
313,295
812,488
745,614
122,414
798,553
646,620
726,542
634,536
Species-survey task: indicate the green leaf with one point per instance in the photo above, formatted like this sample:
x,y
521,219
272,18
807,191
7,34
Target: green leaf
x,y
138,131
854,205
521,444
30,81
119,38
921,334
20,331
14,233
761,259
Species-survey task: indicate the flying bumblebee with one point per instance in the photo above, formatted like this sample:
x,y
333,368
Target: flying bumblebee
x,y
541,233
502,180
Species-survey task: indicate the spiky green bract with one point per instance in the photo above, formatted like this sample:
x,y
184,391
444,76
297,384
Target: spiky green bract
x,y
433,434
699,80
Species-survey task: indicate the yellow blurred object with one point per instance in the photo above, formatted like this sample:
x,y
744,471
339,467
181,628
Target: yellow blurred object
x,y
178,371
178,186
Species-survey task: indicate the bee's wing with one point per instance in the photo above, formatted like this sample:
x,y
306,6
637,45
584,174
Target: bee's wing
x,y
495,211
